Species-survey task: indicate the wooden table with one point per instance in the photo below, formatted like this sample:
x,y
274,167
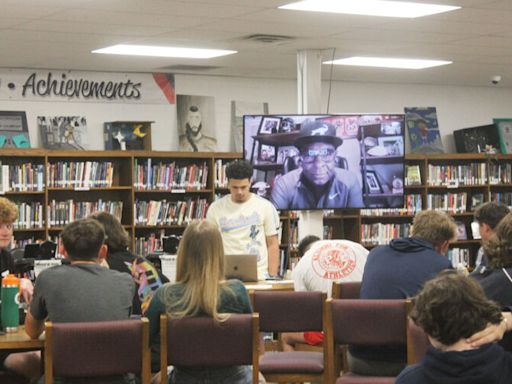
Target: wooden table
x,y
270,285
20,341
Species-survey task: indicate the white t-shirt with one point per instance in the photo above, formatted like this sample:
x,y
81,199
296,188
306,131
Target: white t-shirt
x,y
245,226
328,261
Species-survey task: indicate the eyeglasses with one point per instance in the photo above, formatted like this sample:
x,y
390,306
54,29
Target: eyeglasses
x,y
323,154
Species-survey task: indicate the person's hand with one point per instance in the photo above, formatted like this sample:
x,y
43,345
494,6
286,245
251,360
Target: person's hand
x,y
26,290
492,333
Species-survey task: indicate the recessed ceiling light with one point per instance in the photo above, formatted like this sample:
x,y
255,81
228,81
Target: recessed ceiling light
x,y
370,7
148,50
386,62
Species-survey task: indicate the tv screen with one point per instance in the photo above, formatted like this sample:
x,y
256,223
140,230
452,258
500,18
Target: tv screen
x,y
327,161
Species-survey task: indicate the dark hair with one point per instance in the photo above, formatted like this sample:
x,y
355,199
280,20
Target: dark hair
x,y
490,213
117,238
498,248
239,170
82,239
193,108
452,306
305,244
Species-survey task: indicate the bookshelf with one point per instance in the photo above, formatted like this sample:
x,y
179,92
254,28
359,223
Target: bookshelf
x,y
149,190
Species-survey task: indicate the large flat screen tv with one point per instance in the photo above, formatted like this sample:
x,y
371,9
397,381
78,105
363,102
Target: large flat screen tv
x,y
327,161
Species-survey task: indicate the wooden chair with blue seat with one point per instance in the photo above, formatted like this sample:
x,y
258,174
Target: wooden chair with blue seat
x,y
203,342
362,322
291,311
417,343
97,349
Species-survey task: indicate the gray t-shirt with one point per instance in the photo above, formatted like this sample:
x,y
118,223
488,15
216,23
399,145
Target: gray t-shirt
x,y
82,292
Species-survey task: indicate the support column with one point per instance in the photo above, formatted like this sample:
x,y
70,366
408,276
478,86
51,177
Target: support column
x,y
309,88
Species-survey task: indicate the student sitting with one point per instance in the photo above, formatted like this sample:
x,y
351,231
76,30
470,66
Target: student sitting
x,y
451,308
200,290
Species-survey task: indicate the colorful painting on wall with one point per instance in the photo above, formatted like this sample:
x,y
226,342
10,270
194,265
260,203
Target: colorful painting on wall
x,y
63,132
14,130
423,130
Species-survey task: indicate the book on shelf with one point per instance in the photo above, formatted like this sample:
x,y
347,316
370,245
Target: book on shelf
x,y
461,231
413,175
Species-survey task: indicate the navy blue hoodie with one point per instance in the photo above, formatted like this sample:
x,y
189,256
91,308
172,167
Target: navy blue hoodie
x,y
397,271
489,364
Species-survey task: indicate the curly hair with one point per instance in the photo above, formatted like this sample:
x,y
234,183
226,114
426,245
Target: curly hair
x,y
498,248
8,211
452,307
434,226
239,170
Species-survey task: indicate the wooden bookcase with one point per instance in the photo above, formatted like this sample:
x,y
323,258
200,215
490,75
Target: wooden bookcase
x,y
32,170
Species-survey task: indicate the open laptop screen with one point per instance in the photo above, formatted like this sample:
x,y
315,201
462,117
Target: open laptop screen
x,y
243,267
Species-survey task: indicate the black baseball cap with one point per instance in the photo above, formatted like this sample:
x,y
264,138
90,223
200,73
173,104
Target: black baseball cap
x,y
317,131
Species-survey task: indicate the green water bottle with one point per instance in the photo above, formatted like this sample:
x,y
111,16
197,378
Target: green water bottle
x,y
10,303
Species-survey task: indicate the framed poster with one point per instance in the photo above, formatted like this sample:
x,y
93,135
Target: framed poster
x,y
14,130
504,127
423,130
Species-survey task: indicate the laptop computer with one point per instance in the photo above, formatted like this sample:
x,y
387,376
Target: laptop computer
x,y
243,267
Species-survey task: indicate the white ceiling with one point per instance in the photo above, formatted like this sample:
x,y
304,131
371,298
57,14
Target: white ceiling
x,y
60,34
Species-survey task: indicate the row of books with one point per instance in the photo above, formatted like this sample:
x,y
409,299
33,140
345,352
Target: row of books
x,y
381,233
20,243
21,177
221,181
147,245
283,261
163,212
169,176
502,198
459,257
500,173
30,215
412,204
461,174
61,213
450,202
80,174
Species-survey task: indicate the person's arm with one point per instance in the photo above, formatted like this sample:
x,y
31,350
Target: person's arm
x,y
493,332
33,327
273,254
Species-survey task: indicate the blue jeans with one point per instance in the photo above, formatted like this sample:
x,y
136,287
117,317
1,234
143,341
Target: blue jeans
x,y
240,374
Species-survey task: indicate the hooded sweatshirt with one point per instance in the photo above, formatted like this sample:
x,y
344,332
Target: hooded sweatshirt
x,y
489,364
397,271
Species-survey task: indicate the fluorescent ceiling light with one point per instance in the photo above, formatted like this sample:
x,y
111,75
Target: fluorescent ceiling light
x,y
385,62
148,50
370,7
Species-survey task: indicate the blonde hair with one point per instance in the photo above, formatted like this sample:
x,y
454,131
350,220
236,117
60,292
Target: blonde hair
x,y
200,269
434,226
8,211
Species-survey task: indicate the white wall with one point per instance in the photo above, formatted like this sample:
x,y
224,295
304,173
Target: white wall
x,y
457,107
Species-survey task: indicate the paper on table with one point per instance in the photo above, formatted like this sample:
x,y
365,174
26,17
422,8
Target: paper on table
x,y
169,266
41,265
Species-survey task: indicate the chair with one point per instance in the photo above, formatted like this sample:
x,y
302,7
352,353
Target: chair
x,y
291,312
417,343
96,349
354,321
346,290
293,162
203,342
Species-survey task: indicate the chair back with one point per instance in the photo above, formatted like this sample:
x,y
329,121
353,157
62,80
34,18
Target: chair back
x,y
289,311
417,343
204,342
96,349
346,290
369,322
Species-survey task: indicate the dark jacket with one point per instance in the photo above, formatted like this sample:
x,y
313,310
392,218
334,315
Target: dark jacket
x,y
489,364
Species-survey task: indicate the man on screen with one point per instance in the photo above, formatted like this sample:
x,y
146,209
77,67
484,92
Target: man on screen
x,y
317,183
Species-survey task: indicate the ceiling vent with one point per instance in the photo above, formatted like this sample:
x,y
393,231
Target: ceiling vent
x,y
268,39
185,67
